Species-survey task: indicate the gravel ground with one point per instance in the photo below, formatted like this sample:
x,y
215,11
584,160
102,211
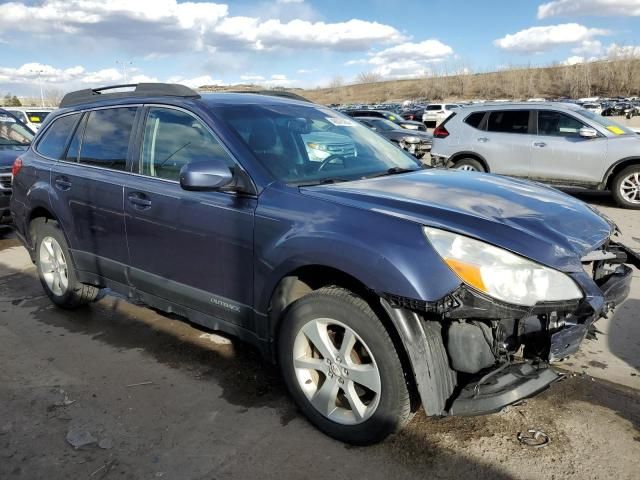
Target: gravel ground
x,y
159,398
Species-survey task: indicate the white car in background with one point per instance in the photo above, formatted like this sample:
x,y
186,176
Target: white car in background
x,y
593,107
31,116
436,113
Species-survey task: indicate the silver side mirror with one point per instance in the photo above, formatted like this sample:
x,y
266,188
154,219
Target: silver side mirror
x,y
586,132
209,175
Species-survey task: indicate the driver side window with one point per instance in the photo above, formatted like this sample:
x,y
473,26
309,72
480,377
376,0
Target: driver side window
x,y
172,139
558,124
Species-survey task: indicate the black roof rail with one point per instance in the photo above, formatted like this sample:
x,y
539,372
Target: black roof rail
x,y
274,93
140,90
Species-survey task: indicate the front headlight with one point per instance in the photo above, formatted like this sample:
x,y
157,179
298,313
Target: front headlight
x,y
500,273
411,139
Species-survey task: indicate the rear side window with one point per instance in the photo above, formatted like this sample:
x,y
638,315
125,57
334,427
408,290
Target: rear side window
x,y
558,124
106,137
54,141
474,119
509,121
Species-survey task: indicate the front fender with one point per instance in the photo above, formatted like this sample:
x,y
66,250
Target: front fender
x,y
385,253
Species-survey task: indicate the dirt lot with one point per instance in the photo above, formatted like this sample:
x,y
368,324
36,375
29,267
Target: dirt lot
x,y
165,399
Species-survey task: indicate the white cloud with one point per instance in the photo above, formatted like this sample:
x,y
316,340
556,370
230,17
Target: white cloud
x,y
540,39
563,8
251,78
161,26
574,60
196,82
623,51
407,59
359,61
304,71
589,47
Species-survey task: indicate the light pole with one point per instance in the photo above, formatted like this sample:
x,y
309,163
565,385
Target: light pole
x,y
124,68
39,73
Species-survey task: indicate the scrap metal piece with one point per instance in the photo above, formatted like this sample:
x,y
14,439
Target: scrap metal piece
x,y
534,439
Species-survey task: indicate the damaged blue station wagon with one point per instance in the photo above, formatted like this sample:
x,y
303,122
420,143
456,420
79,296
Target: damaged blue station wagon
x,y
378,285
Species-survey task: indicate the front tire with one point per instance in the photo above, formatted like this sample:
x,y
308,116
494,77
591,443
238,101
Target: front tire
x,y
55,267
625,187
341,367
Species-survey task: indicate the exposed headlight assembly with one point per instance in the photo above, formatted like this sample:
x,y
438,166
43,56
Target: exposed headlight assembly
x,y
500,273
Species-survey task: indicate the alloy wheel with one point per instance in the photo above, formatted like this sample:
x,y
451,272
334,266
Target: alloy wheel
x,y
336,371
466,168
630,188
53,266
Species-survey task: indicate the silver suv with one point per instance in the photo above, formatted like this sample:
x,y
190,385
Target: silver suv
x,y
555,143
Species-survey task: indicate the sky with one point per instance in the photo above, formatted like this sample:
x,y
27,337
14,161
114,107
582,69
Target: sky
x,y
69,44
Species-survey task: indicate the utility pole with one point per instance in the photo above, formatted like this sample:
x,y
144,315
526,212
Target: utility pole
x,y
39,73
124,68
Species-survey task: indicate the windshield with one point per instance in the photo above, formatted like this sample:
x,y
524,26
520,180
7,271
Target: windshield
x,y
610,125
12,132
311,144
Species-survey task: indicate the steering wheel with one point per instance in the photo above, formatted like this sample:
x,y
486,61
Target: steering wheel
x,y
329,159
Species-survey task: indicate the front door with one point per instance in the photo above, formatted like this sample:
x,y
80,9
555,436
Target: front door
x,y
191,248
561,156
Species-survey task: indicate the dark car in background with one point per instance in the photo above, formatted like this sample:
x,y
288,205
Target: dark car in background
x,y
417,143
15,138
376,284
393,117
414,114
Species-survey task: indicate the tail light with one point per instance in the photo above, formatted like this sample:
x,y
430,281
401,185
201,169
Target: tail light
x,y
17,166
440,132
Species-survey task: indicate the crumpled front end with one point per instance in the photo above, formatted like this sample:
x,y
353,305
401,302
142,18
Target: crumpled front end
x,y
483,337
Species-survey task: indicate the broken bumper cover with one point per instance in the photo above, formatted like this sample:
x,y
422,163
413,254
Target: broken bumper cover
x,y
514,383
612,292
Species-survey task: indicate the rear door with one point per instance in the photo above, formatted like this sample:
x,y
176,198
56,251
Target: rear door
x,y
560,155
507,142
191,248
88,183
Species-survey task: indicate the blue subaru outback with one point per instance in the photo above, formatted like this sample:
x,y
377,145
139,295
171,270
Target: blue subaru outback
x,y
376,284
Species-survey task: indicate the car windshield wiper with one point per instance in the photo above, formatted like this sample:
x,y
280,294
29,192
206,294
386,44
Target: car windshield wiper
x,y
393,171
324,181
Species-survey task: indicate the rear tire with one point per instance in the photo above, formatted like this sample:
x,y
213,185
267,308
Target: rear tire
x,y
625,187
55,267
468,164
325,382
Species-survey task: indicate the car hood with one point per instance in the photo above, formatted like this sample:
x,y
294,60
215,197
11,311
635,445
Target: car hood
x,y
8,154
529,219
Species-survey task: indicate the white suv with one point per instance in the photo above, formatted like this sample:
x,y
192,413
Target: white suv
x,y
436,113
31,116
556,143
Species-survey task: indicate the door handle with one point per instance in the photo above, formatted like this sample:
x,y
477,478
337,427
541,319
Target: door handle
x,y
483,139
139,200
63,183
539,144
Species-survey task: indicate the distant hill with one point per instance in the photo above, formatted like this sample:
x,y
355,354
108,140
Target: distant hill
x,y
619,77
